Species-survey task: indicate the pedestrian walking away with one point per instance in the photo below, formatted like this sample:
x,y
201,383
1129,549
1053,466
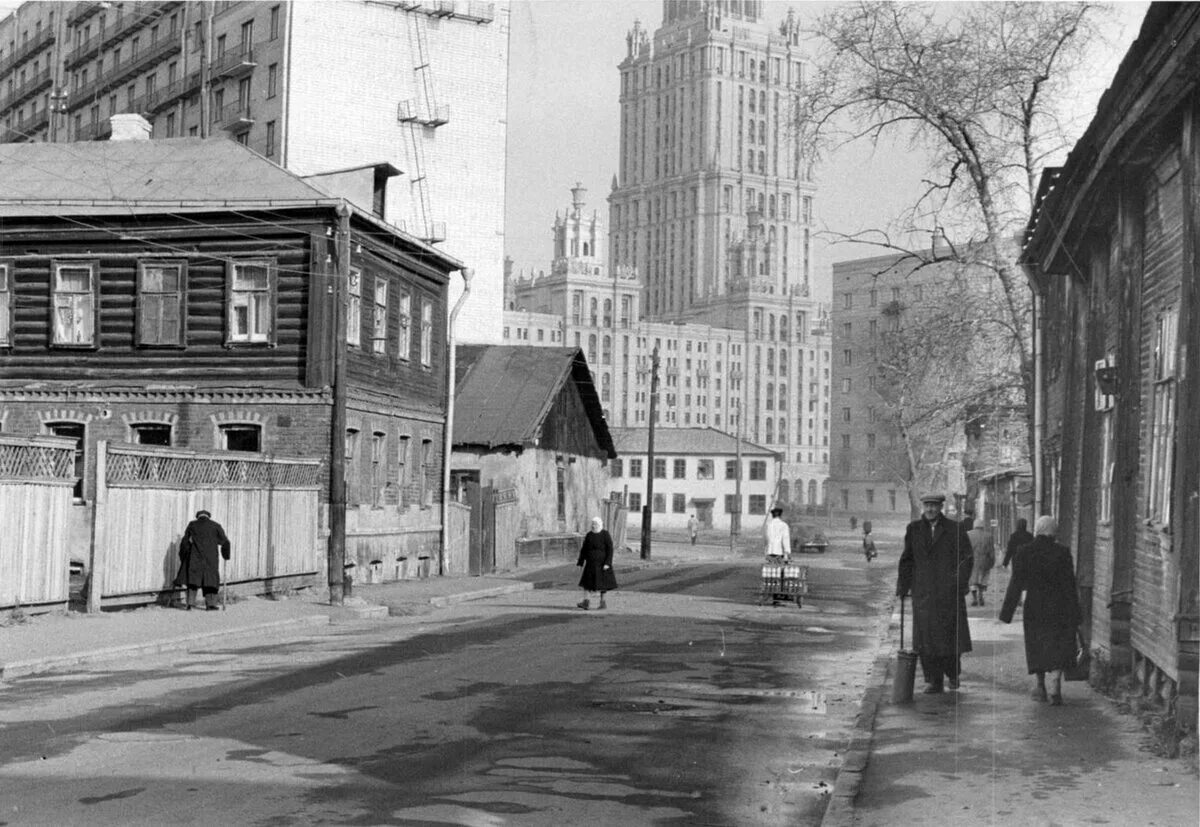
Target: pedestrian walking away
x,y
1051,616
935,567
693,528
596,557
778,536
868,543
1020,537
983,548
203,543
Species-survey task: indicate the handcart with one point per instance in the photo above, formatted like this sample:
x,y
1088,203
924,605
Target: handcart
x,y
784,582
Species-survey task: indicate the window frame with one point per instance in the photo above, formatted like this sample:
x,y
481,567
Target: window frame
x,y
7,268
426,333
354,284
180,301
93,298
379,316
267,339
404,326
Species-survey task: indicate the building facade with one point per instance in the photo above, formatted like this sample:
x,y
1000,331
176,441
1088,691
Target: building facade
x,y
695,472
419,85
1112,252
776,369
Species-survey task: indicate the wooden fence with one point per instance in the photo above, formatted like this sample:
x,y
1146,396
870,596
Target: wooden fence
x,y
37,478
146,495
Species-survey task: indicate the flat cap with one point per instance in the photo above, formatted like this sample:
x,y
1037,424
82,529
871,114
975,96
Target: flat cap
x,y
933,498
202,514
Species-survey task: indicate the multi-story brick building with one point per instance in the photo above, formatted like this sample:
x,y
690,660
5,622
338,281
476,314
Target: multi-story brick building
x,y
312,86
708,374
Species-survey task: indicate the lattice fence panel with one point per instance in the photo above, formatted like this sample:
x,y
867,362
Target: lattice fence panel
x,y
22,460
135,468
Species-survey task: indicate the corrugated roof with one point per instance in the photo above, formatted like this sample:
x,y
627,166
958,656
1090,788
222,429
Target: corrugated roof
x,y
504,392
89,176
682,441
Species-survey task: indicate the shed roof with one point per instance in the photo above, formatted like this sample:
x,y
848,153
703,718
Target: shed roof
x,y
504,392
708,441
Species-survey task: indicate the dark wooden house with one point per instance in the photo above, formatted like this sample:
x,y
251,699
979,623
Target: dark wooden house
x,y
190,293
1111,249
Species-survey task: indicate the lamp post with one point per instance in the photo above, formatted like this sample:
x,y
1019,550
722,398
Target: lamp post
x,y
648,506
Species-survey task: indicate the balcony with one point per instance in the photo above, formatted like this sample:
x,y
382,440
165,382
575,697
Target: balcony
x,y
27,49
234,116
81,11
131,65
172,92
95,131
29,88
234,64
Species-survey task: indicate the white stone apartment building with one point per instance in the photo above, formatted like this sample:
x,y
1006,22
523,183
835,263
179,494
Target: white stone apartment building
x,y
777,373
695,472
314,86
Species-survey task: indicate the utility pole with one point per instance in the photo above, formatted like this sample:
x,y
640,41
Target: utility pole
x,y
337,430
735,519
648,507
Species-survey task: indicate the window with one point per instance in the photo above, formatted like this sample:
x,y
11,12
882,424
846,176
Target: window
x,y
660,503
731,469
379,334
74,303
170,124
378,467
870,492
731,504
75,431
272,80
704,469
680,469
241,437
270,139
426,333
1162,435
250,302
405,338
160,307
617,468
150,433
247,36
354,308
678,503
426,466
6,304
402,463
758,504
660,468
758,469
274,23
635,502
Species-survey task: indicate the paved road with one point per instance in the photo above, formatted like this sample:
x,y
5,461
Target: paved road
x,y
684,703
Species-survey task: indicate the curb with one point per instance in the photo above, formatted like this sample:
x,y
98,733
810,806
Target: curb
x,y
839,811
36,665
450,599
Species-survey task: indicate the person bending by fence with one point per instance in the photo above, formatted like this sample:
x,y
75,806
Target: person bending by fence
x,y
199,568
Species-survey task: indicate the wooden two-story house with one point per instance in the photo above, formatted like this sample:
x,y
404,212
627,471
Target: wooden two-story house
x,y
190,293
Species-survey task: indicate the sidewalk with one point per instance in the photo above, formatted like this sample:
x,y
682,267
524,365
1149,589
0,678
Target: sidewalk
x,y
56,641
989,754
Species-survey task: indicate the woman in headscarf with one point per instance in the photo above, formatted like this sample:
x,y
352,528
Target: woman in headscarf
x,y
595,555
1044,570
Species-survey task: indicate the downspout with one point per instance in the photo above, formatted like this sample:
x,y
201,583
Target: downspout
x,y
448,431
1039,406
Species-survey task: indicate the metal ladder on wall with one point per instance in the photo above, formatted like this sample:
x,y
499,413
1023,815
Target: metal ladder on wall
x,y
417,115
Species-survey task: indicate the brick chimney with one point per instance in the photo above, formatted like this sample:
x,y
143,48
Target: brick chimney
x,y
129,127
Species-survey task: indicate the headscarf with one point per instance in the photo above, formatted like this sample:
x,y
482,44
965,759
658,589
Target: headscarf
x,y
1046,526
597,524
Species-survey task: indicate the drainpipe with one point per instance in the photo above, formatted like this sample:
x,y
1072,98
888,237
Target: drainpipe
x,y
1039,405
467,274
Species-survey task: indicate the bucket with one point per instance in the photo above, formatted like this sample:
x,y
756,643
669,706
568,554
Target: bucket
x,y
906,668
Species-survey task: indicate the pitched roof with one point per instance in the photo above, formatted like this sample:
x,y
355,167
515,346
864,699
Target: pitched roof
x,y
96,177
683,441
504,392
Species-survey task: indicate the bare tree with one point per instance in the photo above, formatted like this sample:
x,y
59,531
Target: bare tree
x,y
979,86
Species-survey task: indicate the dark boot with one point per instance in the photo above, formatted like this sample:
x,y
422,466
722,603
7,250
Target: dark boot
x,y
583,604
602,604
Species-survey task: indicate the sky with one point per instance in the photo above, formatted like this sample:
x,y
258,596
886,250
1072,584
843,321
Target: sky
x,y
564,120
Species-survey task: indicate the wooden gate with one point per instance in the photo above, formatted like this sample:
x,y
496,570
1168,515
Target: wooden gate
x,y
495,526
37,479
146,495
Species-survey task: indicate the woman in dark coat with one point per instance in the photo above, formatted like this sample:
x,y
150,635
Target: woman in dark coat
x,y
595,555
1020,537
202,541
1044,571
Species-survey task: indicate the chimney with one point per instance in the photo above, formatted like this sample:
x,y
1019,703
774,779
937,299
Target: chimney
x,y
129,127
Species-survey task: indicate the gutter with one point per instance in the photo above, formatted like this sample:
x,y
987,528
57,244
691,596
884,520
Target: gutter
x,y
448,430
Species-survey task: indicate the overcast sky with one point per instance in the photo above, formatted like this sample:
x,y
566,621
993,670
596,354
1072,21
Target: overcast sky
x,y
564,120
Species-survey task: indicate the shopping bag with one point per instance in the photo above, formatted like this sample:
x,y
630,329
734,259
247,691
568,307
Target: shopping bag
x,y
906,668
1082,668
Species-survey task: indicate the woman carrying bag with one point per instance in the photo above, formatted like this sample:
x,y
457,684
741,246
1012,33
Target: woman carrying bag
x,y
1044,570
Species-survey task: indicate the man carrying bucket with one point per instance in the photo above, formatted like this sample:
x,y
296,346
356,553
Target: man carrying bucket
x,y
935,567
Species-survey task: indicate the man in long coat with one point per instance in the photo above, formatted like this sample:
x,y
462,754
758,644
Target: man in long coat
x,y
199,568
935,567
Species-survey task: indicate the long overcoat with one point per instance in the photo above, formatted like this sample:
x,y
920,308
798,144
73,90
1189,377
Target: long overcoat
x,y
596,553
935,567
202,542
984,550
1044,571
